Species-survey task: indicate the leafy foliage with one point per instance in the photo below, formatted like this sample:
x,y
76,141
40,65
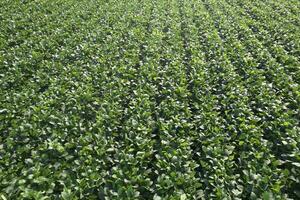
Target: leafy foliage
x,y
149,99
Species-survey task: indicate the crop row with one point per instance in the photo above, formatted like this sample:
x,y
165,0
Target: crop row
x,y
149,99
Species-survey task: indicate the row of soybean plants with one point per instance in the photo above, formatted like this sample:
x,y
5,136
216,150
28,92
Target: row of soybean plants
x,y
282,129
58,74
229,145
249,107
278,36
276,107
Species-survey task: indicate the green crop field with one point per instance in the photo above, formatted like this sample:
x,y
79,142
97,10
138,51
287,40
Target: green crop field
x,y
149,99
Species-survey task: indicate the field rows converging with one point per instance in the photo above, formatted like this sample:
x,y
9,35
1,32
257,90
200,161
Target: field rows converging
x,y
153,99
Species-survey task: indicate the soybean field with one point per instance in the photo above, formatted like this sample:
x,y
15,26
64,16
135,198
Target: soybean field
x,y
150,99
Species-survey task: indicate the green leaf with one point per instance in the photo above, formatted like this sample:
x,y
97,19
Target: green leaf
x,y
183,197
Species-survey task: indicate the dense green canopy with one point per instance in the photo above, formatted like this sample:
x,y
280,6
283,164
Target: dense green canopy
x,y
153,99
